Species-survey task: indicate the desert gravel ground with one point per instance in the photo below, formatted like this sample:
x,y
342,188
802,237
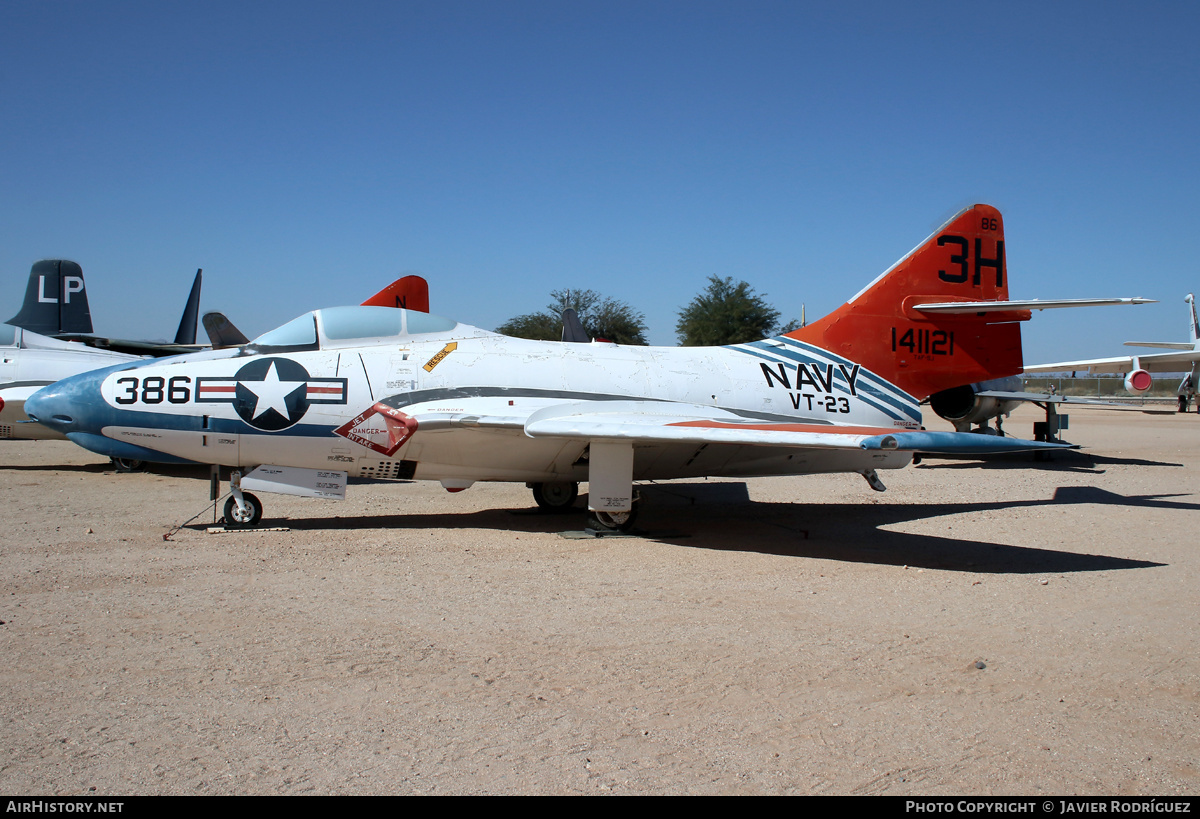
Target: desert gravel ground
x,y
1015,627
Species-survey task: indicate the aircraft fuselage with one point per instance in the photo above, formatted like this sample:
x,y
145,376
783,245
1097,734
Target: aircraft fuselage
x,y
472,393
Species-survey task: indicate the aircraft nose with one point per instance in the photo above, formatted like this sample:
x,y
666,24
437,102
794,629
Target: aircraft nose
x,y
49,408
62,406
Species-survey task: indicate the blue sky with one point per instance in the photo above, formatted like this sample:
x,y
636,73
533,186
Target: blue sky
x,y
306,154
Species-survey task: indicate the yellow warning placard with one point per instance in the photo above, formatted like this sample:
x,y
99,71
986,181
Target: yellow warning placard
x,y
442,353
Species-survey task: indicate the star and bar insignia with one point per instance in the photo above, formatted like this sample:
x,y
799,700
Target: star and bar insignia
x,y
271,393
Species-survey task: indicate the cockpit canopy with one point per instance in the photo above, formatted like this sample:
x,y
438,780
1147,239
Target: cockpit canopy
x,y
337,327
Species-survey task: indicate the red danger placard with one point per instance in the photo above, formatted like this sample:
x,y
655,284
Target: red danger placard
x,y
380,428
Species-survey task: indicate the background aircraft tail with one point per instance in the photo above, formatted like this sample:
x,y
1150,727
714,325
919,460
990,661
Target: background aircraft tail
x,y
55,300
924,352
222,332
573,331
410,292
186,334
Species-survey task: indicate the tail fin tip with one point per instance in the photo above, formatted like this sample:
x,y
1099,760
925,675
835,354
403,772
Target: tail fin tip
x,y
55,300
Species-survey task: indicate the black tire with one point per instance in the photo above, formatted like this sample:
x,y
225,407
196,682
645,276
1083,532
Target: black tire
x,y
612,521
555,497
234,519
128,465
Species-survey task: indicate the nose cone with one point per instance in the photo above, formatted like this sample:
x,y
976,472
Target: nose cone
x,y
63,406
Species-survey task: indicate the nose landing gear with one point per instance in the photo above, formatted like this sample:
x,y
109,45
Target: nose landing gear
x,y
237,517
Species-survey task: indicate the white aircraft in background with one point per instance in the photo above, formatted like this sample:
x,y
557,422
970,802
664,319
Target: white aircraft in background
x,y
1137,368
30,361
383,393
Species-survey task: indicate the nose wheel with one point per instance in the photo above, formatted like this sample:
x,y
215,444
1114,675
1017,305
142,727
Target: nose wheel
x,y
237,517
128,464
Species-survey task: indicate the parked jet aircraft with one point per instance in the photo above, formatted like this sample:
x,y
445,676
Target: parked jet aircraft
x,y
1137,368
387,393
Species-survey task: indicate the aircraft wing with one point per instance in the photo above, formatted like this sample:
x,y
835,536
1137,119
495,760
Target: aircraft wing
x,y
1154,363
130,346
669,422
185,336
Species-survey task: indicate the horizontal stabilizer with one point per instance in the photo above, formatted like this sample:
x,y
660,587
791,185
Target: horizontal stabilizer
x,y
1028,304
1055,398
1162,345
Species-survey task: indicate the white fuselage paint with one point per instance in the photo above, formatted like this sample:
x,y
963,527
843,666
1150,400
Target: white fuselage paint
x,y
472,391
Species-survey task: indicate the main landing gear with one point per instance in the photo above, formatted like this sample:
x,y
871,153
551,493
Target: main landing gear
x,y
555,497
599,521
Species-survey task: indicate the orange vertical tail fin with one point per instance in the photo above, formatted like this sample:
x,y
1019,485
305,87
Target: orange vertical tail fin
x,y
924,353
410,292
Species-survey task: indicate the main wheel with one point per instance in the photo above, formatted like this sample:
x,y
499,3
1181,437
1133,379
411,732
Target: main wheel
x,y
235,518
611,521
555,497
128,465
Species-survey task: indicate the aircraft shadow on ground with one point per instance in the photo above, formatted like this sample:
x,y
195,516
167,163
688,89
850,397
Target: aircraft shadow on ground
x,y
197,471
720,516
92,469
860,533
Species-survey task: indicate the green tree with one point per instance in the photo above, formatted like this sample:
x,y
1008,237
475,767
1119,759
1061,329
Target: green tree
x,y
541,326
726,313
605,318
